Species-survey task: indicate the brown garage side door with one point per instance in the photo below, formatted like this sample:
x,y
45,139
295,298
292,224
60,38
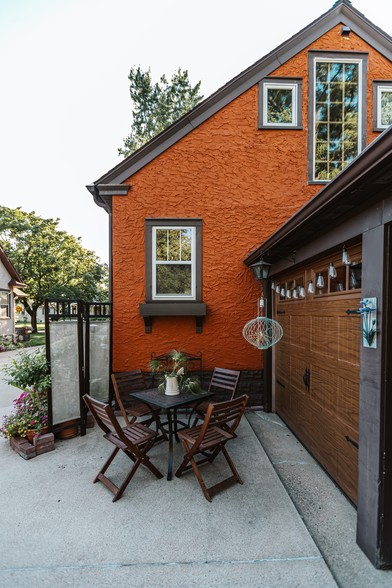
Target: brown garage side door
x,y
317,380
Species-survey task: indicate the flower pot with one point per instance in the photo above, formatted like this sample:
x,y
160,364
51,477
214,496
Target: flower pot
x,y
171,387
32,432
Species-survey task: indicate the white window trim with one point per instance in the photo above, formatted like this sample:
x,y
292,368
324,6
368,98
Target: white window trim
x,y
192,263
7,305
380,89
279,86
360,73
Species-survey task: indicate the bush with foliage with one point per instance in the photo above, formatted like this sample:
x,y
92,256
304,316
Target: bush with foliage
x,y
29,370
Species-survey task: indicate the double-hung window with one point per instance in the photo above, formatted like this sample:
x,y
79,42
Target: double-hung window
x,y
280,103
336,112
173,255
5,304
382,105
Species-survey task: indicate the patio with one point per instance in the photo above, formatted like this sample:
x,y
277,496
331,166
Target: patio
x,y
59,527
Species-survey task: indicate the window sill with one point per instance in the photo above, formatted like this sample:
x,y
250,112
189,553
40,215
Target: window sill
x,y
150,309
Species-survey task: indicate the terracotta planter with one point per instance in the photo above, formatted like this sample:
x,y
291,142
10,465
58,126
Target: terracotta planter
x,y
30,434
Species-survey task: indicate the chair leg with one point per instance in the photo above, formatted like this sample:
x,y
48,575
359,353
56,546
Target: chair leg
x,y
189,461
120,490
231,465
106,464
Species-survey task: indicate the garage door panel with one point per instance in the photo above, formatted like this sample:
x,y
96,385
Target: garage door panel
x,y
299,331
324,388
347,460
324,333
297,370
349,340
348,403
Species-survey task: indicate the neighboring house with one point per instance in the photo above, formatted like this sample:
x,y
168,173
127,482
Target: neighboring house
x,y
188,207
10,288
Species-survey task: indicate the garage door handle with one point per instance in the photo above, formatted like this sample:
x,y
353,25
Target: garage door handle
x,y
306,378
349,440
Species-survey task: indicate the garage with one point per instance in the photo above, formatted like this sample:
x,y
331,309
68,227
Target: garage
x,y
317,370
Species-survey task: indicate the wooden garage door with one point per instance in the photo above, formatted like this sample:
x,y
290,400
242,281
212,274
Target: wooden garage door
x,y
317,377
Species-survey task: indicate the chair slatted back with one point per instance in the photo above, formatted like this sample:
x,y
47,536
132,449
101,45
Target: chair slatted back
x,y
125,382
226,380
104,416
226,415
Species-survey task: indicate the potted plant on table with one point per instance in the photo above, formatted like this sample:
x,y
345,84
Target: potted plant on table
x,y
173,378
30,372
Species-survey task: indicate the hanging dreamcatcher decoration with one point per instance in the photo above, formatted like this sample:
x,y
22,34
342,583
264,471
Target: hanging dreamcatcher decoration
x,y
261,331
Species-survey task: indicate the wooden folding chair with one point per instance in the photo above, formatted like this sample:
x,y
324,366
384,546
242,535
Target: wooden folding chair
x,y
222,381
209,439
134,440
124,383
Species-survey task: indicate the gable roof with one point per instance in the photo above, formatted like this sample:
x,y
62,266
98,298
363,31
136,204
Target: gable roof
x,y
342,12
15,278
361,183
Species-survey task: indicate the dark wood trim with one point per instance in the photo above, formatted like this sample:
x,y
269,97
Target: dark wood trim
x,y
373,531
267,355
385,528
150,309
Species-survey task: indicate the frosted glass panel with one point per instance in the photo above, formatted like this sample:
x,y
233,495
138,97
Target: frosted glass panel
x,y
99,359
64,370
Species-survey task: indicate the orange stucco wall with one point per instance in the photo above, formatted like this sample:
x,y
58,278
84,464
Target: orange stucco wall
x,y
244,183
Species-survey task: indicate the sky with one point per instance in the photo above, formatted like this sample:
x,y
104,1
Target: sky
x,y
64,99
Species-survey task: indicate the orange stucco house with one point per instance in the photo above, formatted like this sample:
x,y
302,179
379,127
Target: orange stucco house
x,y
225,177
280,163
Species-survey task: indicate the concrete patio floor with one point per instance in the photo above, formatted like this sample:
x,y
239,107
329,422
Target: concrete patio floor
x,y
287,526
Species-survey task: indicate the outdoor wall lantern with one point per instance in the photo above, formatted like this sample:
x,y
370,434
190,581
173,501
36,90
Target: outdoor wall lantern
x,y
261,269
345,31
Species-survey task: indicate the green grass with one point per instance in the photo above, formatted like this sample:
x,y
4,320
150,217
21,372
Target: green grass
x,y
35,338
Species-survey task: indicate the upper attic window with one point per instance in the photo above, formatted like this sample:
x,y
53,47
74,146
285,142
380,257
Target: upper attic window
x,y
382,105
280,103
336,111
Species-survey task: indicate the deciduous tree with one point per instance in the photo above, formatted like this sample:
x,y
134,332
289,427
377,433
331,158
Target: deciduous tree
x,y
51,262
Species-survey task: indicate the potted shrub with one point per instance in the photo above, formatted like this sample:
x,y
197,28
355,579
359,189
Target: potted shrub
x,y
30,372
173,378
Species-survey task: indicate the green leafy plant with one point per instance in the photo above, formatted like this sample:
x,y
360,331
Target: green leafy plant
x,y
29,370
175,366
30,413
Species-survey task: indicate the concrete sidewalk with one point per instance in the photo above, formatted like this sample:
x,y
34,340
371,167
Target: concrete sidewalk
x,y
287,526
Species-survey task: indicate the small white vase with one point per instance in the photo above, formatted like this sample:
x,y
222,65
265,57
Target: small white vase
x,y
171,388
